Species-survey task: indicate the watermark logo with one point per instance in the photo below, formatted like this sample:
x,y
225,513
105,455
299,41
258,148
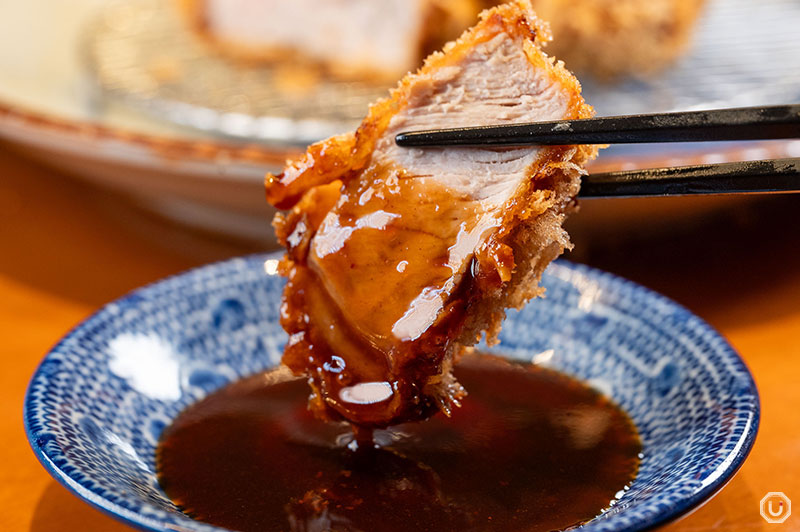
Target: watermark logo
x,y
776,507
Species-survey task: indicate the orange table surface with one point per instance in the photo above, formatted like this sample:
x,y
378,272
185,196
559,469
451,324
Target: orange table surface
x,y
68,248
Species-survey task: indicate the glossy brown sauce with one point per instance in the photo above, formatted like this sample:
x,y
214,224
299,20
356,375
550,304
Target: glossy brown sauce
x,y
529,450
379,285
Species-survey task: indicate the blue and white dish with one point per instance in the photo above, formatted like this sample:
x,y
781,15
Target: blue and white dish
x,y
100,399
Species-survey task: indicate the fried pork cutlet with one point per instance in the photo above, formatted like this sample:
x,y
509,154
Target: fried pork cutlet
x,y
384,39
613,38
381,39
610,39
398,258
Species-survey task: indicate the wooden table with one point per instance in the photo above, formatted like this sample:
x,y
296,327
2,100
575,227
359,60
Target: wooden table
x,y
68,248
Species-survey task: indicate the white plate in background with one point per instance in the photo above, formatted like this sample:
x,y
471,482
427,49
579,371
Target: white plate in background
x,y
52,107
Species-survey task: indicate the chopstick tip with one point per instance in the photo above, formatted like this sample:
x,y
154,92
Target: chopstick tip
x,y
401,139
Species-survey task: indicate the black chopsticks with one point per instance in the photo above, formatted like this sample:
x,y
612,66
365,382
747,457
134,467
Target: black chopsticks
x,y
774,175
745,123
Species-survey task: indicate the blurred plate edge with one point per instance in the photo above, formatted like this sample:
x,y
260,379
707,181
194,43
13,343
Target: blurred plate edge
x,y
213,185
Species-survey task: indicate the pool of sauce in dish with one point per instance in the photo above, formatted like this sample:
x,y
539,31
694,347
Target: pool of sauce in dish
x,y
530,449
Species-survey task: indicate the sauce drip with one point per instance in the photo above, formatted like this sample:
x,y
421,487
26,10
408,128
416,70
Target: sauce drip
x,y
529,450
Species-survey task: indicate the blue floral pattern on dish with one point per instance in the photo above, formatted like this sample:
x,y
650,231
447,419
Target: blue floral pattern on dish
x,y
99,400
